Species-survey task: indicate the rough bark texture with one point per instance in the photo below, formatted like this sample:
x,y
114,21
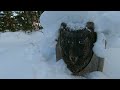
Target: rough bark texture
x,y
96,64
75,48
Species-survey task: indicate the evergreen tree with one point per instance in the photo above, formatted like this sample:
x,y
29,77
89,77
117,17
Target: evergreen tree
x,y
19,20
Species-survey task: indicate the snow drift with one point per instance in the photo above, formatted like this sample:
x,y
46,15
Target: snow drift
x,y
106,25
33,56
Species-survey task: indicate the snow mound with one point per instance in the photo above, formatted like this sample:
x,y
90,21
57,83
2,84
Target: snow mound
x,y
52,17
106,25
33,56
96,75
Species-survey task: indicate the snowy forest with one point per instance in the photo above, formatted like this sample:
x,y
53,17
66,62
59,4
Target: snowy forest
x,y
18,20
61,44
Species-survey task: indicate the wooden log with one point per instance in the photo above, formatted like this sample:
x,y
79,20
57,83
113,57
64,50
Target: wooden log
x,y
96,64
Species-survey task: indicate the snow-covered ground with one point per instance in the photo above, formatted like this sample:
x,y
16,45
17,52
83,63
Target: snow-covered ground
x,y
26,56
33,56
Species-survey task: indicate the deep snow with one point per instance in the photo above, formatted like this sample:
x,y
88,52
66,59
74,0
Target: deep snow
x,y
106,25
24,56
33,56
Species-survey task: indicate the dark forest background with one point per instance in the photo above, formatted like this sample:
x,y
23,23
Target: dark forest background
x,y
20,20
